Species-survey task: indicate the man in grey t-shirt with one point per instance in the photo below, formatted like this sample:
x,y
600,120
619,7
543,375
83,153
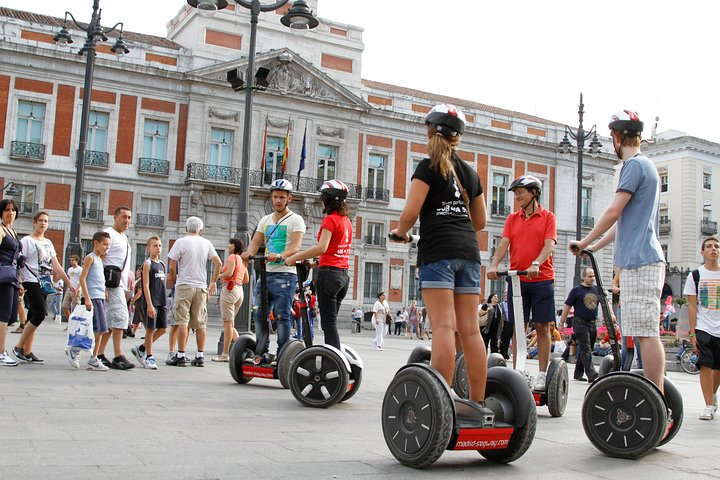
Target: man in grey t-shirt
x,y
632,219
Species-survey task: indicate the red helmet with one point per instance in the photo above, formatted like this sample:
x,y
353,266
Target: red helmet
x,y
334,188
627,122
447,119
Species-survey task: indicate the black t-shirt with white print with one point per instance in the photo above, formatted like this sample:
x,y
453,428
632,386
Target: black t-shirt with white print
x,y
446,230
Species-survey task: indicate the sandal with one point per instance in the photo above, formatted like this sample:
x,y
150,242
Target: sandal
x,y
19,329
221,358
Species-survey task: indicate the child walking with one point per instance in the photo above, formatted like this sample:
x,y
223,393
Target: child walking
x,y
92,283
153,302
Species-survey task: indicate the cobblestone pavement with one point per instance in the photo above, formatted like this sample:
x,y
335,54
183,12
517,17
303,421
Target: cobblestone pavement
x,y
197,423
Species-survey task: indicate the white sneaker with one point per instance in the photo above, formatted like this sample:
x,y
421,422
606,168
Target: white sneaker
x,y
708,413
170,356
73,357
139,356
150,363
97,365
715,402
7,361
540,383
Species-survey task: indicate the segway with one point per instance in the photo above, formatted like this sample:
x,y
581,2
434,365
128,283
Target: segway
x,y
321,376
247,359
624,414
556,385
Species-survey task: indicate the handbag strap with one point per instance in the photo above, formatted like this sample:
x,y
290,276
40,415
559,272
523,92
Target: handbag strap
x,y
463,192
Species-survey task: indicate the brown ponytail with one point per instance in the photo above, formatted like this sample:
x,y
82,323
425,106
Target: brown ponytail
x,y
440,150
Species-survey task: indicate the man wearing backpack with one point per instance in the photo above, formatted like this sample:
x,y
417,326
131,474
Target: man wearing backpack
x,y
702,289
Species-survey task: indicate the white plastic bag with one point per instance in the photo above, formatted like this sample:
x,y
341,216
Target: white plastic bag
x,y
559,347
80,329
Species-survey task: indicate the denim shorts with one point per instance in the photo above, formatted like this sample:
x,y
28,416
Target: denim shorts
x,y
458,274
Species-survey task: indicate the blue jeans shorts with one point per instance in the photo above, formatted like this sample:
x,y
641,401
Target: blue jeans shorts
x,y
458,274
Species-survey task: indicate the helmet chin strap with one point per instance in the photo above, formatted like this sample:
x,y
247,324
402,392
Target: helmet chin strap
x,y
531,202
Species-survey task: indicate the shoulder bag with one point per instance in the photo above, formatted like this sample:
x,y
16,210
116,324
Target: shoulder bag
x,y
113,274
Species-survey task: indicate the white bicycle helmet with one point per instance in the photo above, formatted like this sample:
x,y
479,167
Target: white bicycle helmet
x,y
281,184
626,122
526,181
449,120
334,188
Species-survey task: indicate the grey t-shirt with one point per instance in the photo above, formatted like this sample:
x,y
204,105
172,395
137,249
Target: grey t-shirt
x,y
637,241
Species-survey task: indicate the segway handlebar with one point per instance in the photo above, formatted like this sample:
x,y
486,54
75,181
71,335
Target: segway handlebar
x,y
407,239
511,273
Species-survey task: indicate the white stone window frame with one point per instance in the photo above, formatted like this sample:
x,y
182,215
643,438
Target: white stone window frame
x,y
45,99
153,115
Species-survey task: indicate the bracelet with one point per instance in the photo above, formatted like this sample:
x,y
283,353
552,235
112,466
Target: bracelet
x,y
692,335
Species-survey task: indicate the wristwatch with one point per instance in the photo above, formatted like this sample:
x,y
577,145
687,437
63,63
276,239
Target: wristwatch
x,y
535,263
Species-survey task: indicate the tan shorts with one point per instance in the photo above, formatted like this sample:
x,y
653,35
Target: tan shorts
x,y
70,301
640,290
190,307
230,301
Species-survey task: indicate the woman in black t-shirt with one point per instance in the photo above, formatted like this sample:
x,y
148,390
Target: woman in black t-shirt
x,y
445,193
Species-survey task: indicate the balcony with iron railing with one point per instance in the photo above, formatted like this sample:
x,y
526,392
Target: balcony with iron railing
x,y
215,174
377,194
375,241
664,226
26,209
587,222
34,152
499,209
147,220
708,227
154,166
95,159
92,215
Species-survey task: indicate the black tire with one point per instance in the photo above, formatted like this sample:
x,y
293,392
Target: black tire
x,y
674,401
318,377
420,354
417,417
557,389
607,365
624,415
460,378
508,396
687,362
496,360
287,354
243,348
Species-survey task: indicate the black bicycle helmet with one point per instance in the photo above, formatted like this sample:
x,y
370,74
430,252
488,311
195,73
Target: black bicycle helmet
x,y
626,122
447,119
526,181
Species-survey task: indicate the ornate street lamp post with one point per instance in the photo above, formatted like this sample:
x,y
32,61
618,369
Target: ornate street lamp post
x,y
95,34
565,147
299,19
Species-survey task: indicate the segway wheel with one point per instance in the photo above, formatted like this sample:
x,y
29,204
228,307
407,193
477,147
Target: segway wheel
x,y
355,372
460,378
287,353
687,362
607,365
243,349
674,401
417,417
624,415
507,394
496,360
557,390
318,377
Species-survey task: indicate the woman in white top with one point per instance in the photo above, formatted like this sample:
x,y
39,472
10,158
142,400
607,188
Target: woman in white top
x,y
41,261
380,310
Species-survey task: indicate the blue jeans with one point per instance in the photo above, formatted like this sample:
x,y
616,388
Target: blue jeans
x,y
281,291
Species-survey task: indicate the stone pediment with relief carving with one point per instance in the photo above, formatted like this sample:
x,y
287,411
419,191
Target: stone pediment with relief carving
x,y
291,75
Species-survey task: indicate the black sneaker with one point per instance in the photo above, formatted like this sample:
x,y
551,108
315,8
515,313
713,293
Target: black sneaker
x,y
104,360
20,355
33,359
177,361
198,362
121,363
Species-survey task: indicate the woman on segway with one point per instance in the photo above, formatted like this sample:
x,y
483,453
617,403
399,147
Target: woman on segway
x,y
333,250
446,194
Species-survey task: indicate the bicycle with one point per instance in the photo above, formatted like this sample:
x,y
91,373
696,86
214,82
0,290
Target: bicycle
x,y
687,357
